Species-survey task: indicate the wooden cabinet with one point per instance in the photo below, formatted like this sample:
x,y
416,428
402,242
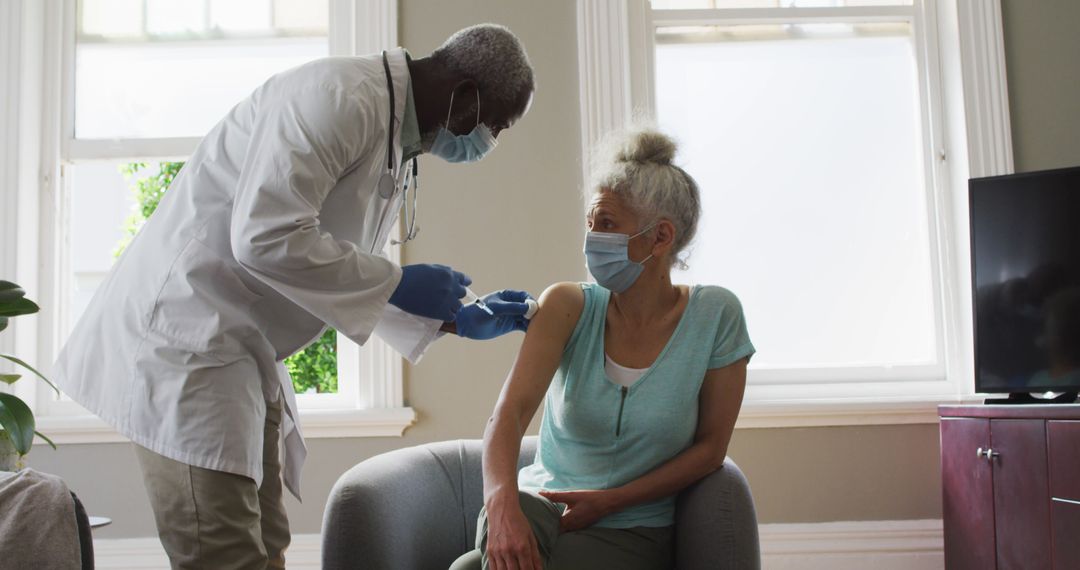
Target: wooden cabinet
x,y
1011,487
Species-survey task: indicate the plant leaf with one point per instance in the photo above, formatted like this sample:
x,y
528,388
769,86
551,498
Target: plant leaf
x,y
16,307
47,440
31,369
17,419
10,291
3,323
9,379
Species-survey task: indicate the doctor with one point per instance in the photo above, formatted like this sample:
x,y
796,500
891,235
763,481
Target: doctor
x,y
273,230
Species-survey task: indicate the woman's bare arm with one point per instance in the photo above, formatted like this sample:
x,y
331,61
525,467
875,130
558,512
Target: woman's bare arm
x,y
511,543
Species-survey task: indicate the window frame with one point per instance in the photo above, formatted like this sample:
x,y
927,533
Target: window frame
x,y
960,63
370,399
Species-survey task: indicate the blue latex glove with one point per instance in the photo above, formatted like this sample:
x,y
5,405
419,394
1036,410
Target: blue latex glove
x,y
509,310
429,290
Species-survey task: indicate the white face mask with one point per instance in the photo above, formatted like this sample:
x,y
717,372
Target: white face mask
x,y
463,148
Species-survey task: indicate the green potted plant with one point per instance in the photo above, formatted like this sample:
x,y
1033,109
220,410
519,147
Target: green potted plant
x,y
17,424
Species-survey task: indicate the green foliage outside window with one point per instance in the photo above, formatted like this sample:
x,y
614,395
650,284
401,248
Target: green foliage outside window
x,y
312,369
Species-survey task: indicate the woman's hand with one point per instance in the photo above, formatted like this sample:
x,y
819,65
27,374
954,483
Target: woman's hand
x,y
511,544
583,508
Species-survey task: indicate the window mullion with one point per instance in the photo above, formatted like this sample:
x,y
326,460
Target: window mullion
x,y
175,148
744,16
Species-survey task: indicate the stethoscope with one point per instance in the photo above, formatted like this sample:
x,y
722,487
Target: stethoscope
x,y
387,182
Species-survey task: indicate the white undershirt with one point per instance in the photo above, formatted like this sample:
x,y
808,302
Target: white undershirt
x,y
620,374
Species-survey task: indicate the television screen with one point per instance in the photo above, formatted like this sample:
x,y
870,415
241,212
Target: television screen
x,y
1025,241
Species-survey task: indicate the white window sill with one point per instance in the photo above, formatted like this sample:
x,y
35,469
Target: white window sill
x,y
316,424
845,412
392,422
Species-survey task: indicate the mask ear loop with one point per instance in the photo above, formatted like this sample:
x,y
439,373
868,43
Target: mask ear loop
x,y
477,108
450,111
651,226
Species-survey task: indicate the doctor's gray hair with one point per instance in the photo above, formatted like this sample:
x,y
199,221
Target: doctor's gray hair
x,y
637,165
493,57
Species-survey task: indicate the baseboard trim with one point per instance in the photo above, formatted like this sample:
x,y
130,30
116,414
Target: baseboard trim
x,y
305,553
883,545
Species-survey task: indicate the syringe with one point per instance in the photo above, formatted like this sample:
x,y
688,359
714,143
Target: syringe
x,y
471,297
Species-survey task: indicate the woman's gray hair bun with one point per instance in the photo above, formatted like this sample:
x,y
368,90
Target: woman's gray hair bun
x,y
636,163
647,146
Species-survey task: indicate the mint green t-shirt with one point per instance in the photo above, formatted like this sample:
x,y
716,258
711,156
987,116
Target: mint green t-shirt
x,y
596,434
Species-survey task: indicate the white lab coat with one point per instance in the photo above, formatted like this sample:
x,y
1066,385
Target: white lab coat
x,y
266,234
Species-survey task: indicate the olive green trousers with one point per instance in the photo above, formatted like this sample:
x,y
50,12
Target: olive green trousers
x,y
640,548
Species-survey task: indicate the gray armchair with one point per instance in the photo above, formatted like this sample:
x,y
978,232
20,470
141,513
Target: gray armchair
x,y
416,509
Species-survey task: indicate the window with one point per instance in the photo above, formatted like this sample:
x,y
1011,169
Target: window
x,y
140,82
163,69
806,141
817,132
805,132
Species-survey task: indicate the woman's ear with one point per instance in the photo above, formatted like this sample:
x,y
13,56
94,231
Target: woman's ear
x,y
665,236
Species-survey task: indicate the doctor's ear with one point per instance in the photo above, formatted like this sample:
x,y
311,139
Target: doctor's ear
x,y
465,88
464,95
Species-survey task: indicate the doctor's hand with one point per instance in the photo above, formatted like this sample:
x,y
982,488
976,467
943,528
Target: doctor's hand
x,y
429,290
508,308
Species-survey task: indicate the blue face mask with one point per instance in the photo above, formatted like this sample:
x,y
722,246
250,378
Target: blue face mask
x,y
463,148
608,259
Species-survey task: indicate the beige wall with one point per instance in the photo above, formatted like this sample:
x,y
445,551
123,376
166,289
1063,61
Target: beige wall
x,y
1042,47
514,221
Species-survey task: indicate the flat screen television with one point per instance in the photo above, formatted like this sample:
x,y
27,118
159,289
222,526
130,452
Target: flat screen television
x,y
1025,260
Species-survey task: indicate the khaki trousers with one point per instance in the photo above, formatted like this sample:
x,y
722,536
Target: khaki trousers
x,y
218,520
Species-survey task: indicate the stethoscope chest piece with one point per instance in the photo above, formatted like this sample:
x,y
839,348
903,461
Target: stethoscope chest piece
x,y
387,186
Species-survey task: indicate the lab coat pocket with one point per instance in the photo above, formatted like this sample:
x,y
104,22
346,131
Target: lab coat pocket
x,y
203,306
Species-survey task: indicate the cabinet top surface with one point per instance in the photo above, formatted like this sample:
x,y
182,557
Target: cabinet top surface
x,y
1011,411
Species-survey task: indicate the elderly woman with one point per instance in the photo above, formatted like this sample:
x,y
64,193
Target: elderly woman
x,y
642,381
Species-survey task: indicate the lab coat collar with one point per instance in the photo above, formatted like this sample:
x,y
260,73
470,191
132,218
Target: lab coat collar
x,y
399,71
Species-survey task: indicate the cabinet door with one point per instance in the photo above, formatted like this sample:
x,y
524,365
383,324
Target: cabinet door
x,y
1064,445
1066,525
967,495
1021,494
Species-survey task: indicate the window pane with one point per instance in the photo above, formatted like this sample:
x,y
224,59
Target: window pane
x,y
297,15
710,4
240,15
807,147
115,18
181,71
172,17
